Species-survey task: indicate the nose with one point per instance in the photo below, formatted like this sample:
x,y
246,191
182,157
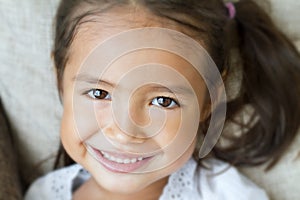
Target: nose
x,y
114,132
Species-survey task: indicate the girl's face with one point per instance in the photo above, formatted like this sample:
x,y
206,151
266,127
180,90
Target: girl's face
x,y
134,122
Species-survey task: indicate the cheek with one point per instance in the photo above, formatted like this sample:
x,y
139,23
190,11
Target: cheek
x,y
69,136
87,113
179,134
169,129
103,114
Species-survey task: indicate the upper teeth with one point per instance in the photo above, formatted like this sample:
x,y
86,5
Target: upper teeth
x,y
120,160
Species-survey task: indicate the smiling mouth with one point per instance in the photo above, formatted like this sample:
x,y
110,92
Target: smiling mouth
x,y
119,162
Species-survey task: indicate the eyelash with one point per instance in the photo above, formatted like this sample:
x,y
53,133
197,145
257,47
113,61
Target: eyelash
x,y
158,101
171,105
91,94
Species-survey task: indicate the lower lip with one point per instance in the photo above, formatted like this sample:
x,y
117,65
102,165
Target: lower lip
x,y
119,167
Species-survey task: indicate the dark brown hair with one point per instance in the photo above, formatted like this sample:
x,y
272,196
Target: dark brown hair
x,y
269,66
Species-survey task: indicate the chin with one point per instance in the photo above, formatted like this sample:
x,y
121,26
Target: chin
x,y
122,185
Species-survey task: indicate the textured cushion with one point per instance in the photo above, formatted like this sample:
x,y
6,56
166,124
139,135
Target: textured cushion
x,y
28,90
27,84
282,181
286,15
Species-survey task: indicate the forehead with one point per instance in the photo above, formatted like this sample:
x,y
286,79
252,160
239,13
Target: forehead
x,y
100,27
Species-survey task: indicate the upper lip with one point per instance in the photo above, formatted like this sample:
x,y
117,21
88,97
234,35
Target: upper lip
x,y
124,154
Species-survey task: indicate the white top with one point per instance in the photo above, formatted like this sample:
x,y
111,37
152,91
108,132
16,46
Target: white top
x,y
218,182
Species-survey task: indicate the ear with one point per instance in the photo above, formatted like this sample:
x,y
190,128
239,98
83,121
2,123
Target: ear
x,y
206,109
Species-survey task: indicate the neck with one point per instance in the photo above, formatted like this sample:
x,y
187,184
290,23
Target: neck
x,y
92,191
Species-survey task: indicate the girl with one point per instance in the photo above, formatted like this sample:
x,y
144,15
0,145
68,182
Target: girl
x,y
136,89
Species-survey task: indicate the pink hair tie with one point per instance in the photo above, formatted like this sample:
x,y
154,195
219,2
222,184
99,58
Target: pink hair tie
x,y
231,9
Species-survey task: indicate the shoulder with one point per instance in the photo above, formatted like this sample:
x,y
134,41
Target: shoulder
x,y
217,181
55,185
223,181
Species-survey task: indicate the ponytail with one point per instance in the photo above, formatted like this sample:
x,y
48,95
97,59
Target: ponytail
x,y
270,84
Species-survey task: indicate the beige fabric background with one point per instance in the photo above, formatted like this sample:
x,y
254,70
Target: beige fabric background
x,y
28,90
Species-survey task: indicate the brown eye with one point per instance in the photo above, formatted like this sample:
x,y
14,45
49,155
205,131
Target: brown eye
x,y
165,102
98,94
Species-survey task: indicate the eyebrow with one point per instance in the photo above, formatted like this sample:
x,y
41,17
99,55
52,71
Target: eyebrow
x,y
160,88
174,89
90,79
